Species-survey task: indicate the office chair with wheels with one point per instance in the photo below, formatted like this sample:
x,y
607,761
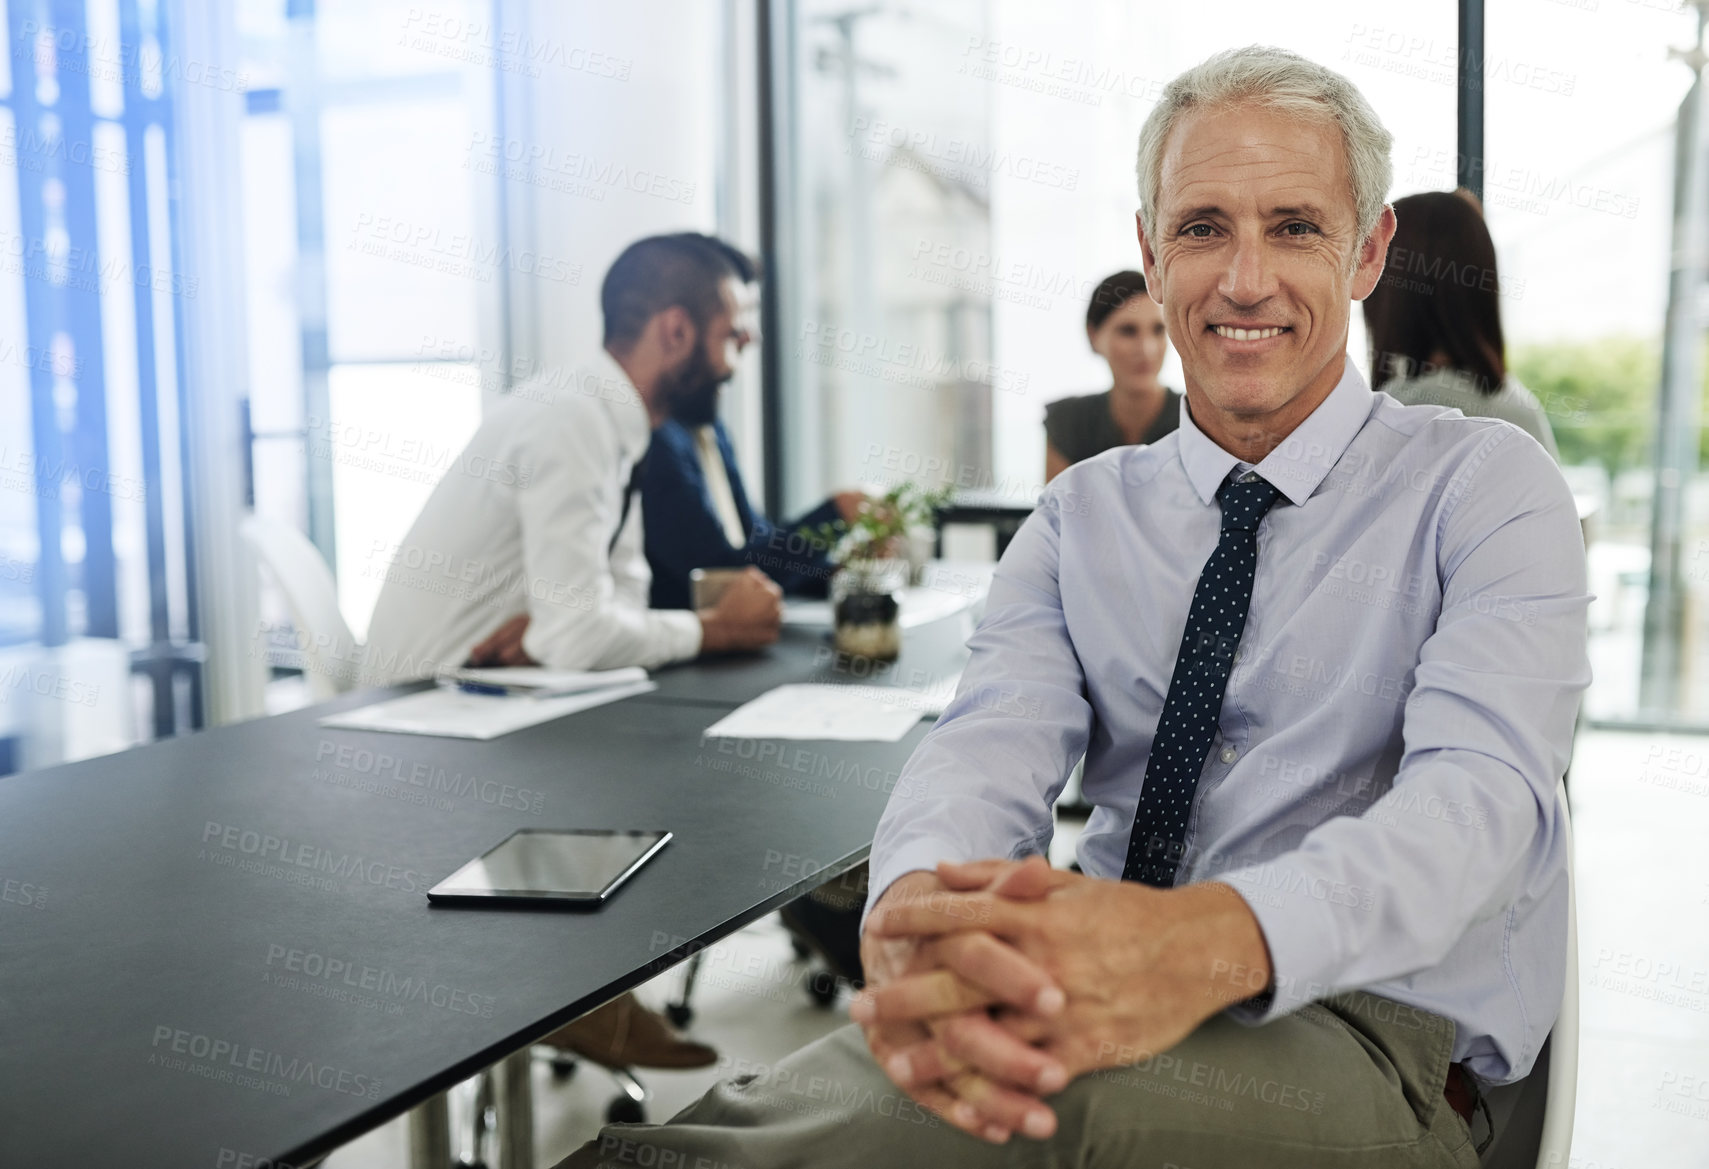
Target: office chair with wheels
x,y
821,984
1533,1118
629,1106
822,925
330,650
620,1036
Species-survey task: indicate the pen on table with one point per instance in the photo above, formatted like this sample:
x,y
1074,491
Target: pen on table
x,y
486,688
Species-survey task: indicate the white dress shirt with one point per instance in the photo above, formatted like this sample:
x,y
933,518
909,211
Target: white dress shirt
x,y
1381,790
523,522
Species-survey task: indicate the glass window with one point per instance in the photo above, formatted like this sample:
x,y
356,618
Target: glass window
x,y
885,347
393,433
1068,109
404,261
270,270
402,38
1578,193
360,212
93,549
961,181
20,607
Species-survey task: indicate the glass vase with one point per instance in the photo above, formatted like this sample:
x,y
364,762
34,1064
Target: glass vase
x,y
867,604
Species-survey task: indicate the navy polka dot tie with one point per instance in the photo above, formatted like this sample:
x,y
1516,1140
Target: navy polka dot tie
x,y
1194,702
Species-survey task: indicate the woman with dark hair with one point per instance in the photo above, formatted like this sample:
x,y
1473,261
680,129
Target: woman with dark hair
x,y
1434,319
1125,327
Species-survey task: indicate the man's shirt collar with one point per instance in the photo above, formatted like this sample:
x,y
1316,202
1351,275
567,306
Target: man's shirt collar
x,y
623,402
1302,460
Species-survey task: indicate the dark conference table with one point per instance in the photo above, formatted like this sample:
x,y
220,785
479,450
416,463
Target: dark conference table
x,y
217,950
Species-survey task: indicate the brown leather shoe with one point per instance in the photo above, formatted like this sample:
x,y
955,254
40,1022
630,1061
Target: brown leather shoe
x,y
624,1034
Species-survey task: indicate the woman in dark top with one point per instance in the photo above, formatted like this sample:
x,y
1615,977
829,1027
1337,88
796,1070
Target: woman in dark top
x,y
1125,328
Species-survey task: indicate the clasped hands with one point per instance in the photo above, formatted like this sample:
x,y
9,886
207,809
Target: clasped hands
x,y
991,985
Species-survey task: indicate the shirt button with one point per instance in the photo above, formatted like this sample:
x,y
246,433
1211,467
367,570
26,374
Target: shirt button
x,y
1229,755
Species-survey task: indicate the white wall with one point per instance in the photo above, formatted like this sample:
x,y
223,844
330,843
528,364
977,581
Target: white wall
x,y
645,109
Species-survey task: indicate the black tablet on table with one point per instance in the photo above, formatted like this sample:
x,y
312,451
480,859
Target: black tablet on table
x,y
566,867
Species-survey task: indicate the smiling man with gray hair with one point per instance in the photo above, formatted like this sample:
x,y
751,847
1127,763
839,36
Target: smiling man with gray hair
x,y
1321,653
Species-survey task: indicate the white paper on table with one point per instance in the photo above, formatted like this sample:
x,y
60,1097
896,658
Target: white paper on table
x,y
545,683
925,701
813,710
457,714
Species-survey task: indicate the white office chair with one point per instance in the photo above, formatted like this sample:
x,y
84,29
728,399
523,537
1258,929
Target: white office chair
x,y
1533,1118
330,650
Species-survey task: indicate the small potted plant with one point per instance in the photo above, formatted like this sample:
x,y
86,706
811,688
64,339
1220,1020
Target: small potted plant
x,y
871,553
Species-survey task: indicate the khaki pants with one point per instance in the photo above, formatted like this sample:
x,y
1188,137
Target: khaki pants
x,y
1351,1081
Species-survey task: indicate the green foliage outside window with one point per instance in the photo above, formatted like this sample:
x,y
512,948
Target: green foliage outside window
x,y
1600,396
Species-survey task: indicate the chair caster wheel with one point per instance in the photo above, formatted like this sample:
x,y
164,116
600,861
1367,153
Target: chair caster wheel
x,y
680,1014
822,987
623,1110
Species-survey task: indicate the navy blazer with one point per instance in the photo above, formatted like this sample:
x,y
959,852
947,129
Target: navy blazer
x,y
682,531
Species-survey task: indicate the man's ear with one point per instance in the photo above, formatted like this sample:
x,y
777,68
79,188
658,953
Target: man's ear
x,y
1373,255
676,333
1148,259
